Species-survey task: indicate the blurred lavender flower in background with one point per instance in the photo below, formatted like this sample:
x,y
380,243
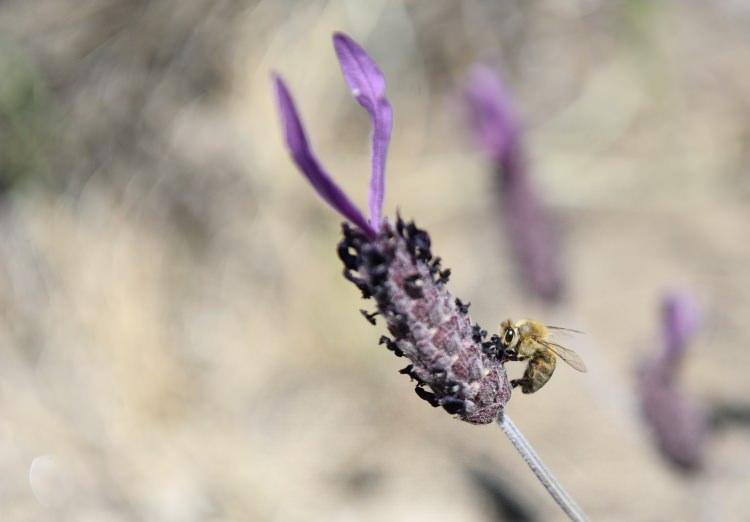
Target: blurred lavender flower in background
x,y
678,423
529,228
393,263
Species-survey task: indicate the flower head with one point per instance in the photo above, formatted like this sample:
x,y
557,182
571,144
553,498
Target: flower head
x,y
529,228
678,423
452,363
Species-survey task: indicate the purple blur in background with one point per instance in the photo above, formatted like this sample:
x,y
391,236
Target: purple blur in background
x,y
677,421
529,228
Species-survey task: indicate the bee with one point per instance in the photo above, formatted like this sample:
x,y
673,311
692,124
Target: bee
x,y
528,340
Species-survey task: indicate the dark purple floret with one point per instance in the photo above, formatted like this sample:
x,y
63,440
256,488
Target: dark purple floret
x,y
451,362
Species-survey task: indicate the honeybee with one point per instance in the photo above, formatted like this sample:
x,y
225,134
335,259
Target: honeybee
x,y
528,340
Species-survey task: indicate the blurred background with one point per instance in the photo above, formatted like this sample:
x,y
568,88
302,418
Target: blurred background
x,y
177,342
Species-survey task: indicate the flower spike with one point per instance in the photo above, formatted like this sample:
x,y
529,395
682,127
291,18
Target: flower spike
x,y
296,141
367,84
530,230
678,421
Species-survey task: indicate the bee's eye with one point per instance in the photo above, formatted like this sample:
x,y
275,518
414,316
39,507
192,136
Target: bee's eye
x,y
508,336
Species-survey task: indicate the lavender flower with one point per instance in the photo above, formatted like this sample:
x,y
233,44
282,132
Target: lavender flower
x,y
679,425
528,227
452,363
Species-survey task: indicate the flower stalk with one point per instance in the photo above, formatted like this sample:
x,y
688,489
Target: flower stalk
x,y
550,483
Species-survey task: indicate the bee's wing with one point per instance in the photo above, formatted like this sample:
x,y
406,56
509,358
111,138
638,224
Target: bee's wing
x,y
561,329
569,356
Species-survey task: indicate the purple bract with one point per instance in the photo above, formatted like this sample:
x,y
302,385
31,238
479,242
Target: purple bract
x,y
367,84
308,164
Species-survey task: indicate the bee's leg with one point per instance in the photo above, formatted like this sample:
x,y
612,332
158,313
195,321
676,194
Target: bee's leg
x,y
524,383
536,375
512,356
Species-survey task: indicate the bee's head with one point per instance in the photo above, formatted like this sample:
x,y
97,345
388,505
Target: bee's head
x,y
508,336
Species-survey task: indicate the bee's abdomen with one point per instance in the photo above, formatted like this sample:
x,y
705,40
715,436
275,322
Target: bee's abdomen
x,y
538,372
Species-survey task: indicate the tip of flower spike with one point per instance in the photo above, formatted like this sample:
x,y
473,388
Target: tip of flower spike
x,y
299,148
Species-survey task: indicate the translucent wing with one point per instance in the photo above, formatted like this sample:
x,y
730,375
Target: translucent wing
x,y
569,356
561,329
